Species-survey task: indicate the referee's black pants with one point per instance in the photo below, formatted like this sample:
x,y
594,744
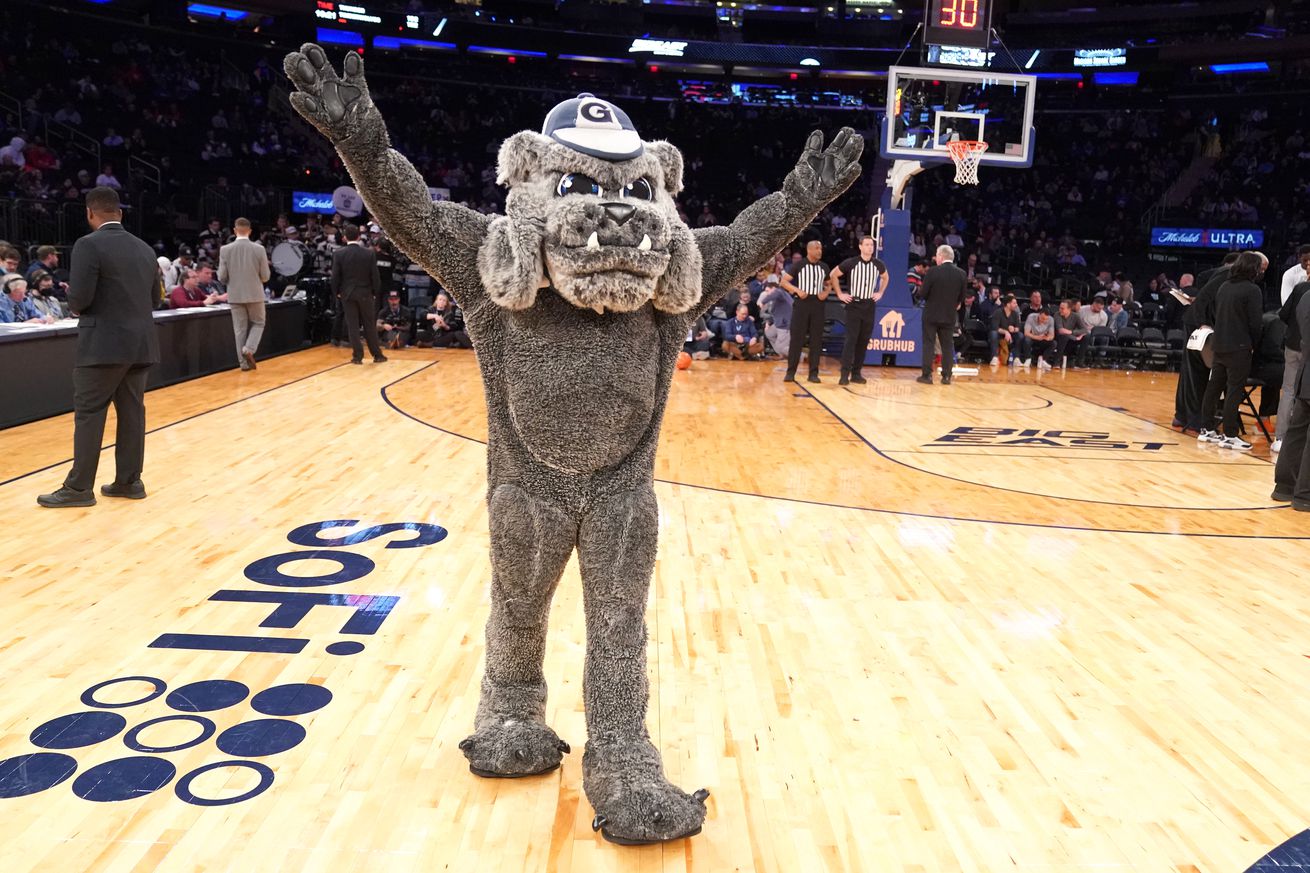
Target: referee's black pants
x,y
806,320
1193,376
933,333
859,327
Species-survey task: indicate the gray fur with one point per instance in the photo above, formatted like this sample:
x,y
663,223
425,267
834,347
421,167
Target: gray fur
x,y
577,350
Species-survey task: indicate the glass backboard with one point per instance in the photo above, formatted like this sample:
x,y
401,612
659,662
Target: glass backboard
x,y
930,107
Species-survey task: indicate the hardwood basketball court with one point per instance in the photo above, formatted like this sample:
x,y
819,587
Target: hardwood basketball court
x,y
1017,623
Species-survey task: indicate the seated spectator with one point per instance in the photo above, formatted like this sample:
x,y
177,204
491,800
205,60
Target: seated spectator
x,y
9,260
185,261
1094,315
990,304
1005,334
778,330
1117,316
213,237
698,340
47,261
188,294
15,308
42,294
744,298
1069,332
443,325
393,323
12,154
1038,338
209,283
1033,305
740,338
108,179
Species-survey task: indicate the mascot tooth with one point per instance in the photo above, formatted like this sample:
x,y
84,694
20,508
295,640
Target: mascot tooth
x,y
576,341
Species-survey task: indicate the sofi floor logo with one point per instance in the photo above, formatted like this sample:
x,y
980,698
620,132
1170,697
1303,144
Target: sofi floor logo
x,y
265,720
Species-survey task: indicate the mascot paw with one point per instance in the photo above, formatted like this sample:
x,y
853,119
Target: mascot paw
x,y
513,748
634,803
336,105
824,173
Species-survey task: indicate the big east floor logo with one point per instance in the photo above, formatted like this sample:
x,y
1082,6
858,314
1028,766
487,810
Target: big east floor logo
x,y
1038,438
147,771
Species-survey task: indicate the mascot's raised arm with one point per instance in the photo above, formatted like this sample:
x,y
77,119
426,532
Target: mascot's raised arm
x,y
577,300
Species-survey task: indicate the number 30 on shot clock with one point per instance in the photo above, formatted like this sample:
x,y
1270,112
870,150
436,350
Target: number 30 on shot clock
x,y
958,22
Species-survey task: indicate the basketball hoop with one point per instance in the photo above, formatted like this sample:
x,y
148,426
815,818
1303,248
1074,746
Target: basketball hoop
x,y
967,154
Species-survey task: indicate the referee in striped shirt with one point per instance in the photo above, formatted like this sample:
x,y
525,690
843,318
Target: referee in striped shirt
x,y
866,282
807,281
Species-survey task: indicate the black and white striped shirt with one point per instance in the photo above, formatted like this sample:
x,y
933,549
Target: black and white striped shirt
x,y
808,277
862,277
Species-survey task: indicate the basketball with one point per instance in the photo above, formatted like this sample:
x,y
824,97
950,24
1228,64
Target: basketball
x,y
684,360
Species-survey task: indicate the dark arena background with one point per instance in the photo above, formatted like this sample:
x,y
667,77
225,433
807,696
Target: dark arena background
x,y
1046,612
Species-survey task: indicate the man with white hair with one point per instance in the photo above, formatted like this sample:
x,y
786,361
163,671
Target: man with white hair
x,y
943,295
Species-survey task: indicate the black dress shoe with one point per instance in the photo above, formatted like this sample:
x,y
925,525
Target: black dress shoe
x,y
356,360
844,380
926,380
379,359
132,490
1301,505
66,496
946,380
858,379
814,377
790,377
1281,496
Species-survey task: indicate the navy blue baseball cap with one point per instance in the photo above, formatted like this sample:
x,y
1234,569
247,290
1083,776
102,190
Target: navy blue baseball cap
x,y
594,127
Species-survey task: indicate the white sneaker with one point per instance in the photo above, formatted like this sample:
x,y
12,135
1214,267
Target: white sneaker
x,y
996,362
700,356
1023,365
1237,444
1042,365
1208,436
1277,446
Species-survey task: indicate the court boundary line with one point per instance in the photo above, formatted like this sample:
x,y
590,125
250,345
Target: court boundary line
x,y
188,418
1049,403
877,510
1070,448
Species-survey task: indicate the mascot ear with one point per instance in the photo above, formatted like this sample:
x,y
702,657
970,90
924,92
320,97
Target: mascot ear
x,y
670,162
519,155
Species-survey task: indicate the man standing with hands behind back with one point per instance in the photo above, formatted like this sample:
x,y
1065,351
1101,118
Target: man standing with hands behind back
x,y
112,288
243,268
807,281
943,295
355,280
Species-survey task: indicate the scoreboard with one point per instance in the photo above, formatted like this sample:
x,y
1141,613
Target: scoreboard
x,y
958,22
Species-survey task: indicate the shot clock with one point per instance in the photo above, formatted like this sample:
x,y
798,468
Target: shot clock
x,y
958,22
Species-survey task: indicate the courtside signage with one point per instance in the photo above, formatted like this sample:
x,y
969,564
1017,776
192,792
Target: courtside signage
x,y
1204,238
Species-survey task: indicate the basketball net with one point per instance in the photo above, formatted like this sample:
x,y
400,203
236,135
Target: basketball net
x,y
967,154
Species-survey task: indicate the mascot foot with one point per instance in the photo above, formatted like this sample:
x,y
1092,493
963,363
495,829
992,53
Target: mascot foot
x,y
635,805
511,749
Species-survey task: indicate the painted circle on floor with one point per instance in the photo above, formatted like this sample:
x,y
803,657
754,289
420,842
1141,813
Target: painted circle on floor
x,y
207,696
78,730
29,774
123,779
89,695
293,698
133,742
184,792
261,737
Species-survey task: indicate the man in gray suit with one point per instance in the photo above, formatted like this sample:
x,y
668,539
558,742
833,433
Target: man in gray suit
x,y
112,288
1292,472
243,268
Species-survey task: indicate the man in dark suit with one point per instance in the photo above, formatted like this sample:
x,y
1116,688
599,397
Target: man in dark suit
x,y
112,288
943,295
356,282
1292,472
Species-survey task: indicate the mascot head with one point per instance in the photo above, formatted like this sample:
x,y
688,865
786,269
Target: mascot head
x,y
590,205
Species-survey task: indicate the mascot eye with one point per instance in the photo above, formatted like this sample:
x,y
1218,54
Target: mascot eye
x,y
576,183
640,190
